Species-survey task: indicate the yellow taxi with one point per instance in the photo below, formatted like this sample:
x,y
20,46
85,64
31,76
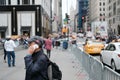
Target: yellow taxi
x,y
93,47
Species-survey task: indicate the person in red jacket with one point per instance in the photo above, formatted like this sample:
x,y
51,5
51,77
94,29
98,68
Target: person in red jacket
x,y
48,46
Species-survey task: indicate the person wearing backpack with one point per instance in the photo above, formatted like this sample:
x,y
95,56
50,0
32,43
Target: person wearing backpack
x,y
36,62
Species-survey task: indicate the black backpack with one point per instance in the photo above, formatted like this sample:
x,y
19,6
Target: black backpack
x,y
56,72
53,69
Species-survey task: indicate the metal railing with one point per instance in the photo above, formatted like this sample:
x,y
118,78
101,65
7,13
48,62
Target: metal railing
x,y
95,69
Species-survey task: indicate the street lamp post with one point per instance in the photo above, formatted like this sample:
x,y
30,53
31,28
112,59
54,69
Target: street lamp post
x,y
51,15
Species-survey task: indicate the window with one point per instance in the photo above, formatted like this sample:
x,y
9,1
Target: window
x,y
18,2
103,14
103,19
2,2
100,3
103,9
110,7
100,19
107,48
9,2
114,8
33,1
110,1
113,20
110,21
100,14
103,3
118,2
100,9
112,47
25,1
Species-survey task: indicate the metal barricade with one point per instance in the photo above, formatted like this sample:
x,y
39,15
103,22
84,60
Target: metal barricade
x,y
94,67
109,74
86,62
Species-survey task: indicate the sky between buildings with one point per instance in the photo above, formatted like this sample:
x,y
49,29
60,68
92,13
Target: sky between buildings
x,y
66,4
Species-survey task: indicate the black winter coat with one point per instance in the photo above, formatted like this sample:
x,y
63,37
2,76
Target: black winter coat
x,y
36,66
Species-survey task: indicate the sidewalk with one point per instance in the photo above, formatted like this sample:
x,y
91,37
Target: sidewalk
x,y
69,65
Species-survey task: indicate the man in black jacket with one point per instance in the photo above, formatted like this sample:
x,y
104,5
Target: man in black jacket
x,y
36,62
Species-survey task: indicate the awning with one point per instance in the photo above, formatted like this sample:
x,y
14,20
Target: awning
x,y
25,28
3,29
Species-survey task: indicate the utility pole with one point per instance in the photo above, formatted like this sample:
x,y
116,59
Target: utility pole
x,y
67,6
51,15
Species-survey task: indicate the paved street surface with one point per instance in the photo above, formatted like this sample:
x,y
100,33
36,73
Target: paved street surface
x,y
71,68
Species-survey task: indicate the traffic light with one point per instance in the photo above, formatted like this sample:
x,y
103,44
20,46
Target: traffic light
x,y
83,19
67,17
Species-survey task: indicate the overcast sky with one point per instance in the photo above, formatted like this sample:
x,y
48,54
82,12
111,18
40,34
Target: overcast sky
x,y
65,6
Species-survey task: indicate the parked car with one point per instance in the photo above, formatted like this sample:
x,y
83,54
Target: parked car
x,y
93,47
111,55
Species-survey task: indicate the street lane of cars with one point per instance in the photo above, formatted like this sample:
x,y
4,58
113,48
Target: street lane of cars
x,y
109,54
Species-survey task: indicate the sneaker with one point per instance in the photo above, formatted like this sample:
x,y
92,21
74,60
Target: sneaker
x,y
13,65
9,65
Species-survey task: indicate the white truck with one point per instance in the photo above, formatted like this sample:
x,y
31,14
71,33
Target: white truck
x,y
100,28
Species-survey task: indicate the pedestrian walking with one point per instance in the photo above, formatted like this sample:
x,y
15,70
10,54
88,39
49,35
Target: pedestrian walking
x,y
53,42
5,54
36,62
9,47
48,46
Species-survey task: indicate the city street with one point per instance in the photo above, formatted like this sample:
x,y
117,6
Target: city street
x,y
69,65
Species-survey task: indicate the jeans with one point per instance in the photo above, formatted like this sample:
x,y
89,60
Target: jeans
x,y
11,58
48,53
5,54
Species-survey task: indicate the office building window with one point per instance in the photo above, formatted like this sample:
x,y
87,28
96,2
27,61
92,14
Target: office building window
x,y
110,1
103,3
118,2
103,14
18,2
113,20
25,1
104,19
9,2
33,1
109,21
114,8
100,3
2,2
100,14
103,9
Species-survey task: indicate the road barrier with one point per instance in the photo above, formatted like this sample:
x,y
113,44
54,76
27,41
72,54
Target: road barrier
x,y
95,69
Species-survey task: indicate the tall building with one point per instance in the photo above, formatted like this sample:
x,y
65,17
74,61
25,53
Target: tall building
x,y
97,10
57,15
82,12
24,17
114,15
73,13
